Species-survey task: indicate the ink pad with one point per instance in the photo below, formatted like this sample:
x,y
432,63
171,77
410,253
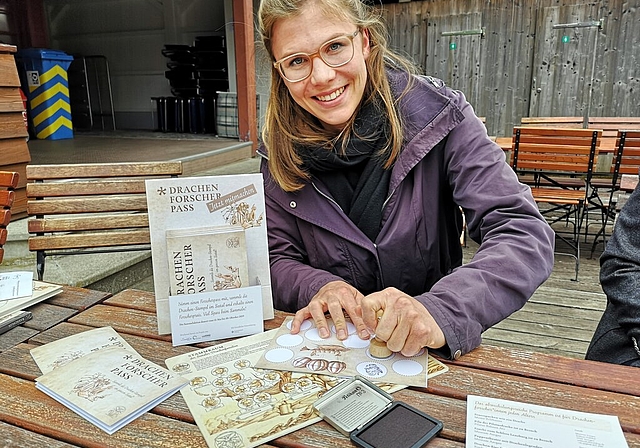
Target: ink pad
x,y
372,419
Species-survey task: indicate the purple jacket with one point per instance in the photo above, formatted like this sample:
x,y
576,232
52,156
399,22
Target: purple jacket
x,y
447,161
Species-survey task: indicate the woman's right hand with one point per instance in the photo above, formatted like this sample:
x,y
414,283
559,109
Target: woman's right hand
x,y
333,297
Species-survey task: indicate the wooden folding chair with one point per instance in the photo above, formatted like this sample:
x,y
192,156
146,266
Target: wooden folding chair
x,y
558,164
8,184
90,208
626,160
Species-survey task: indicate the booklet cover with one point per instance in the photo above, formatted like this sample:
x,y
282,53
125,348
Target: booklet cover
x,y
62,351
110,387
205,201
203,259
41,291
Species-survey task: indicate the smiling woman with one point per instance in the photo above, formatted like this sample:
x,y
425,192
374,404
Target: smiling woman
x,y
329,91
367,166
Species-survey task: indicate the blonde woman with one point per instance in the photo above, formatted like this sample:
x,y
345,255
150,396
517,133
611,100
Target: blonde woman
x,y
366,166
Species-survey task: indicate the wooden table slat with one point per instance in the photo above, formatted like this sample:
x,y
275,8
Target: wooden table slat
x,y
123,320
78,298
46,315
13,436
134,299
21,404
16,336
591,374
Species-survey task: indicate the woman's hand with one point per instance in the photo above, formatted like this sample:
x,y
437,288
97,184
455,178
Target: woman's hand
x,y
333,297
406,325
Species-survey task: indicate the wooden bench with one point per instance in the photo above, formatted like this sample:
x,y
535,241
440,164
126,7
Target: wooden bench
x,y
8,184
610,127
558,163
607,193
541,122
90,208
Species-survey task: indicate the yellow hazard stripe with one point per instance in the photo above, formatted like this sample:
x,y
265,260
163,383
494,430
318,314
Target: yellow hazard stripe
x,y
53,127
51,111
52,73
48,94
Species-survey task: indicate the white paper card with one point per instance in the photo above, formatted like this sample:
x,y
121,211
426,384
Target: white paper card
x,y
499,423
16,284
213,315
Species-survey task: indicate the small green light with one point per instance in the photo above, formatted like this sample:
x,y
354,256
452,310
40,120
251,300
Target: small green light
x,y
453,46
565,39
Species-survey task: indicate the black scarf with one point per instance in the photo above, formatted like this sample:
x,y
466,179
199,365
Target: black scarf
x,y
356,179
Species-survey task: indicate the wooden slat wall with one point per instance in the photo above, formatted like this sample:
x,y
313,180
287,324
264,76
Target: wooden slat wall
x,y
496,73
14,152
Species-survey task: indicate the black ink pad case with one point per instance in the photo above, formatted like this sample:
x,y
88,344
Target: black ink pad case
x,y
372,419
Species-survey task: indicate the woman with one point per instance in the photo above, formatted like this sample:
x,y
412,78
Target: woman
x,y
617,338
366,169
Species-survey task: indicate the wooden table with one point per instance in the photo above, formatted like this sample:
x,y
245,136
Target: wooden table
x,y
30,418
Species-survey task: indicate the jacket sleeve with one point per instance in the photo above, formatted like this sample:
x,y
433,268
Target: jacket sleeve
x,y
516,244
620,267
293,281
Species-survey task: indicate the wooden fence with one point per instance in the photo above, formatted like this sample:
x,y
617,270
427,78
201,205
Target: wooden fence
x,y
519,58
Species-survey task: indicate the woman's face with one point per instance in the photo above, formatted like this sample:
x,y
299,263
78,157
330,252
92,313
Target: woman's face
x,y
330,94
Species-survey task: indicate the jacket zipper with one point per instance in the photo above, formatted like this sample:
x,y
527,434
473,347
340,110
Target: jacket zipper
x,y
330,199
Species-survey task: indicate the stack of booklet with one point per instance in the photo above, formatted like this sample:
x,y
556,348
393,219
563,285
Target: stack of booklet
x,y
99,376
18,291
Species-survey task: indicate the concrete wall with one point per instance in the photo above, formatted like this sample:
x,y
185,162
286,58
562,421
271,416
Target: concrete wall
x,y
131,35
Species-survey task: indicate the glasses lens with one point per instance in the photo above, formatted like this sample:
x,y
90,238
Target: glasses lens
x,y
296,67
337,52
334,53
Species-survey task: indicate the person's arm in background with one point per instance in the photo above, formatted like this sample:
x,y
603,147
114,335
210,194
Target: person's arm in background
x,y
620,268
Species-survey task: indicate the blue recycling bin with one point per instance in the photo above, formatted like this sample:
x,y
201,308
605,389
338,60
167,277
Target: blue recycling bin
x,y
44,79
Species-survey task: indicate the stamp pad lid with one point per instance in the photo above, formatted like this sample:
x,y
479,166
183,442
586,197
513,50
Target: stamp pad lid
x,y
352,404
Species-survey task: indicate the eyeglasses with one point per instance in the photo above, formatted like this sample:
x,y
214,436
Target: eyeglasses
x,y
335,53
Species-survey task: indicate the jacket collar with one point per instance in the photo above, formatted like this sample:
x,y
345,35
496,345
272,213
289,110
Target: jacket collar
x,y
428,116
428,113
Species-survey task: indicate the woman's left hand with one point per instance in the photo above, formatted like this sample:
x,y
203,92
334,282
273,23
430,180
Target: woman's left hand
x,y
334,297
406,325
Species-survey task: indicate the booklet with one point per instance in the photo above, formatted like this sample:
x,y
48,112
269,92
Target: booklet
x,y
14,319
496,423
208,201
110,387
61,352
40,291
205,259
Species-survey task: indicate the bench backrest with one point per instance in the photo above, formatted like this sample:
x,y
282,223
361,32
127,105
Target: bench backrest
x,y
90,207
8,184
628,145
611,125
553,122
555,150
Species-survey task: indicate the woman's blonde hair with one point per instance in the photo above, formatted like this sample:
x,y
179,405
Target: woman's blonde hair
x,y
288,125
